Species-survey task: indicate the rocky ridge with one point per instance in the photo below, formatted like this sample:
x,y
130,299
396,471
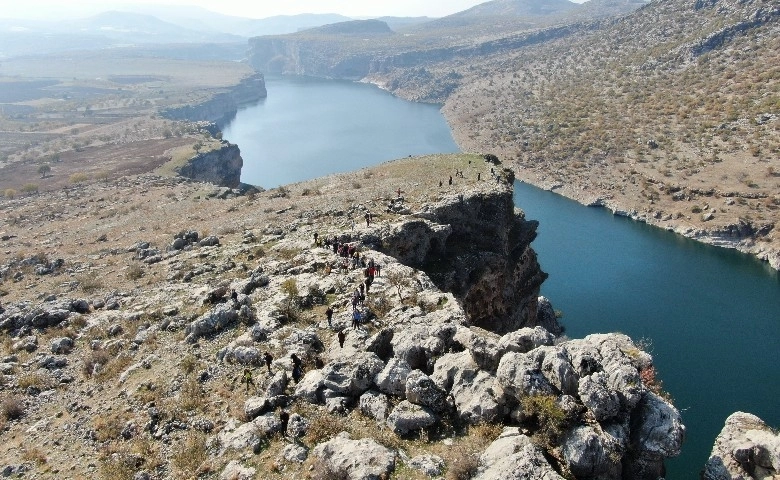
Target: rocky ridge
x,y
129,348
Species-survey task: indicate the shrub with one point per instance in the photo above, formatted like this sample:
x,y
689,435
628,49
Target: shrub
x,y
463,465
546,416
107,427
191,396
10,193
189,457
89,283
134,272
12,407
78,177
30,188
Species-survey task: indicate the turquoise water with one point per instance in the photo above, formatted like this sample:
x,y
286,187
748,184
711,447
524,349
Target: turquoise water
x,y
711,315
308,128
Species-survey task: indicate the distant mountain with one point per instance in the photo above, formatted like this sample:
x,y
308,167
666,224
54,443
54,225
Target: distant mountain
x,y
517,8
139,28
353,27
205,20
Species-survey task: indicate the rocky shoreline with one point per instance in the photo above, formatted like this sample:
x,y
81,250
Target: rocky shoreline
x,y
742,236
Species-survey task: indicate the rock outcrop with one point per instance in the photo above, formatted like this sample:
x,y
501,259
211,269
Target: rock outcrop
x,y
745,448
477,246
221,166
222,107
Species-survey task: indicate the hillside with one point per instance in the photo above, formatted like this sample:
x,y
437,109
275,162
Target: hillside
x,y
667,114
125,348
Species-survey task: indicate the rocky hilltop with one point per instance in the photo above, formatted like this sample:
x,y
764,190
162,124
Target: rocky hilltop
x,y
136,336
653,110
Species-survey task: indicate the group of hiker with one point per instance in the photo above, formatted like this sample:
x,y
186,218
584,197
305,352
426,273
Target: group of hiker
x,y
297,370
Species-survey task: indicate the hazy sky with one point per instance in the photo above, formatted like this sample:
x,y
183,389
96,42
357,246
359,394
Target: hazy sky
x,y
245,8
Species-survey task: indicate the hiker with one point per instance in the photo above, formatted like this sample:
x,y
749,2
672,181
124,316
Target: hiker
x,y
368,219
450,179
268,359
297,371
439,183
356,319
479,174
247,379
316,235
378,270
342,336
284,419
329,314
234,295
399,192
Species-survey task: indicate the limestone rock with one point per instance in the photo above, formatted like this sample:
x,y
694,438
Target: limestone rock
x,y
356,459
483,346
478,397
514,456
375,405
235,471
525,339
352,376
431,465
657,433
745,448
449,365
421,390
589,454
392,379
600,400
407,417
213,321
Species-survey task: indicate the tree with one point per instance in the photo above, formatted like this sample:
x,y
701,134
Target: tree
x,y
44,170
290,288
399,281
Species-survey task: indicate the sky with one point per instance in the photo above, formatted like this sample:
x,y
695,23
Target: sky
x,y
245,8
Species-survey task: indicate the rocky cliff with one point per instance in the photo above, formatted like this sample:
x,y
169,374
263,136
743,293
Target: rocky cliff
x,y
745,448
476,245
220,166
223,105
175,351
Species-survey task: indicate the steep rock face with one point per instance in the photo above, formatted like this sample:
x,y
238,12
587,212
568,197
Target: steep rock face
x,y
221,166
745,448
477,246
222,107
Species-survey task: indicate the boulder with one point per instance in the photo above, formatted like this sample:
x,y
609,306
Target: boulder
x,y
657,433
430,465
356,459
375,405
482,344
352,376
294,452
478,397
407,417
421,390
603,402
392,379
451,364
525,339
745,448
235,471
589,454
514,456
215,320
520,374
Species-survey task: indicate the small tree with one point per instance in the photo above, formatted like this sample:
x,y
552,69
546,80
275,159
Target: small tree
x,y
44,170
290,288
399,281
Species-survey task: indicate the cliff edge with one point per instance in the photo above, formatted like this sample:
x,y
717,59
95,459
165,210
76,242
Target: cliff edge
x,y
168,331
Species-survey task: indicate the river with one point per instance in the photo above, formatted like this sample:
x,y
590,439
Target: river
x,y
711,316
